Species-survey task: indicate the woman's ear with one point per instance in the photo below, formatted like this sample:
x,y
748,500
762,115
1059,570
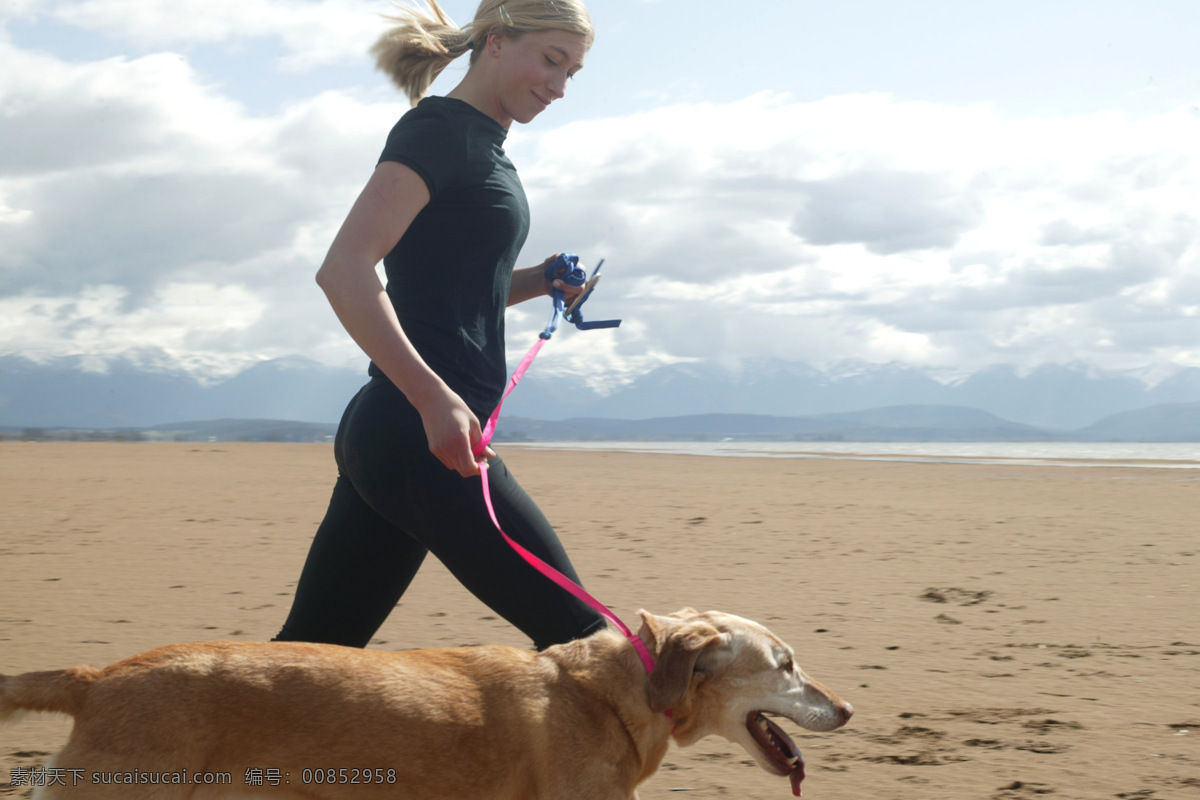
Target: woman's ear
x,y
495,41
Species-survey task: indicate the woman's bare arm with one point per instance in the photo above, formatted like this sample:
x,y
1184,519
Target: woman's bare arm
x,y
392,198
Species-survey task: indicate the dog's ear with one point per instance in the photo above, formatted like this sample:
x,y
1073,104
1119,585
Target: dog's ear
x,y
676,645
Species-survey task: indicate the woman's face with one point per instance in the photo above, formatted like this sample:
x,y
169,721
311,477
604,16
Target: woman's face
x,y
532,71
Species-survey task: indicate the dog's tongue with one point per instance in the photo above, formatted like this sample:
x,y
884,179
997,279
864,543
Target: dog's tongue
x,y
797,774
779,746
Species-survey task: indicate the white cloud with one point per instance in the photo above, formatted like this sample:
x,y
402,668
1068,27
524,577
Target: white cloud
x,y
18,9
124,179
178,320
885,229
856,226
310,33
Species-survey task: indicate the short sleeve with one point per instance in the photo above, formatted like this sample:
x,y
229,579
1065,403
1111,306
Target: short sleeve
x,y
428,144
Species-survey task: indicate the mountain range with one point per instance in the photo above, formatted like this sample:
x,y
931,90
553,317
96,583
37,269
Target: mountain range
x,y
852,401
1178,422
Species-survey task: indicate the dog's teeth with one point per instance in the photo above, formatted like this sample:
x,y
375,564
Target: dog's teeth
x,y
793,761
762,723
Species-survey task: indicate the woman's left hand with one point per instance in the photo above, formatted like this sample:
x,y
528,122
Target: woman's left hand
x,y
569,292
529,283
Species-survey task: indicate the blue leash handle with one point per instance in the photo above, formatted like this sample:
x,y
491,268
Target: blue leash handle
x,y
566,268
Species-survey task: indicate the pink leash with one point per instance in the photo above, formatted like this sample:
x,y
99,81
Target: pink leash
x,y
541,566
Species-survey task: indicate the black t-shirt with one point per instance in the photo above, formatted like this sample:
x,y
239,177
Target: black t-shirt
x,y
448,276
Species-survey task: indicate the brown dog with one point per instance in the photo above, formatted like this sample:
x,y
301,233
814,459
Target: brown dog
x,y
579,721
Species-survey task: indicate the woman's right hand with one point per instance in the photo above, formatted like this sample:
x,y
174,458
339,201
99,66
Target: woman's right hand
x,y
453,431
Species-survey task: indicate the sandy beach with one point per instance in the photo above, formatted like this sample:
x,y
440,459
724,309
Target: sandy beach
x,y
1003,631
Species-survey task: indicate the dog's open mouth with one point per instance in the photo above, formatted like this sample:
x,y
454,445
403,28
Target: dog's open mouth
x,y
780,750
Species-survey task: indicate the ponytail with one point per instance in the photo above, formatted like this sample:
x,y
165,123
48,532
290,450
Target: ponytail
x,y
415,51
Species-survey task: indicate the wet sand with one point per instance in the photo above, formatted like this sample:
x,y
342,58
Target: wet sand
x,y
1003,631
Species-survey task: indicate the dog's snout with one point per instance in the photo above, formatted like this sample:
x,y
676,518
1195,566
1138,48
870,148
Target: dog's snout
x,y
842,711
835,711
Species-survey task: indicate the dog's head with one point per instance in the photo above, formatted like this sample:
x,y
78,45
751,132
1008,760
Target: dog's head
x,y
718,673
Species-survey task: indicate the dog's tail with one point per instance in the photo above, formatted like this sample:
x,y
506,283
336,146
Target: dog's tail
x,y
61,690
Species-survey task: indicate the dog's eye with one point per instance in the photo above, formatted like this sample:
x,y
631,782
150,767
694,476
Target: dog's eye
x,y
788,664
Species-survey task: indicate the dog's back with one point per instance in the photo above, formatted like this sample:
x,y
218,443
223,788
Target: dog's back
x,y
313,715
309,714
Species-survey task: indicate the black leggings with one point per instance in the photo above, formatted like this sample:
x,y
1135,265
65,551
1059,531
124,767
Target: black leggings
x,y
392,503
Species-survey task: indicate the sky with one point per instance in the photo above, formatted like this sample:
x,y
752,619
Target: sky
x,y
946,184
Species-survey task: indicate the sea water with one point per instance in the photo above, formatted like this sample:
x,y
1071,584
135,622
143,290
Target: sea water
x,y
1159,455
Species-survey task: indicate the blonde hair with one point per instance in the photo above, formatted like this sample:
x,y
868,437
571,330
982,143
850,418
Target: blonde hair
x,y
424,42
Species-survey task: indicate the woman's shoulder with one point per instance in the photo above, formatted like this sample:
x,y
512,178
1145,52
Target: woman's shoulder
x,y
429,119
445,140
451,117
448,126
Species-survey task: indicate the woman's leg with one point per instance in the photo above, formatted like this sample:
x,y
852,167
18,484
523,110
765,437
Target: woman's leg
x,y
386,456
455,526
357,568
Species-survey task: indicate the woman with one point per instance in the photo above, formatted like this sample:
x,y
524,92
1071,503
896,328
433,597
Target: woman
x,y
445,211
